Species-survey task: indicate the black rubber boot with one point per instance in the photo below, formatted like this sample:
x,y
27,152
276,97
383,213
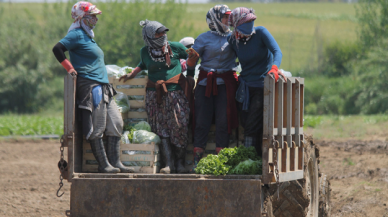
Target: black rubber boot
x,y
250,141
168,157
198,153
113,152
180,154
100,155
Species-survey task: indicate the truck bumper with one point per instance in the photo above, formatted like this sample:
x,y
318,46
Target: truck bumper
x,y
165,195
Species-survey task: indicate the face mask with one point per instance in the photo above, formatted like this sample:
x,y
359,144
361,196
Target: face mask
x,y
246,28
90,21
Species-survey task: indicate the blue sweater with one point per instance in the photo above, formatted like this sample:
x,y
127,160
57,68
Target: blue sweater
x,y
257,56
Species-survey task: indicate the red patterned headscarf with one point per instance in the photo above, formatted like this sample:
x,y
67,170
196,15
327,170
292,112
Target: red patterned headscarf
x,y
82,11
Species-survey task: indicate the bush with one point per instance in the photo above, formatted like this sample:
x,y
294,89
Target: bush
x,y
31,79
339,58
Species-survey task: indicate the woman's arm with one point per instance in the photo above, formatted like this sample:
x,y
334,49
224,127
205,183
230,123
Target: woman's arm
x,y
272,45
130,75
59,52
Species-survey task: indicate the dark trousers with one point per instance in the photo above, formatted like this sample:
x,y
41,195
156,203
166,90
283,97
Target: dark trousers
x,y
252,120
205,108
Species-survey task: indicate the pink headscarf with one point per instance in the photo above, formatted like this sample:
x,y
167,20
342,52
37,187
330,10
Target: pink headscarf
x,y
240,16
82,11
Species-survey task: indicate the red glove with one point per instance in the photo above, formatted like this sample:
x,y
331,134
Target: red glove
x,y
274,70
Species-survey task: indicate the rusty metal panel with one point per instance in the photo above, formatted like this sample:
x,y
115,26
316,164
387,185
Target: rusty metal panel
x,y
69,120
165,197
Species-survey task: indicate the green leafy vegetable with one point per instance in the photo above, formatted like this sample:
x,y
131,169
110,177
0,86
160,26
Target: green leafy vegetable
x,y
143,125
237,160
238,154
213,164
248,167
130,135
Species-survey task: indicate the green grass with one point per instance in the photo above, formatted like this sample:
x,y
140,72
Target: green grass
x,y
301,29
16,125
362,127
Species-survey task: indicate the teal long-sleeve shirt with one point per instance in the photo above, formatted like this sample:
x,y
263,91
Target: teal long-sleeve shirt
x,y
257,55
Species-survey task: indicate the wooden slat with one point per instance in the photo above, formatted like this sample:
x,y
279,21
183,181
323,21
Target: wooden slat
x,y
289,112
140,157
297,112
301,102
279,114
137,103
134,81
292,157
139,147
137,115
285,158
295,175
300,158
134,91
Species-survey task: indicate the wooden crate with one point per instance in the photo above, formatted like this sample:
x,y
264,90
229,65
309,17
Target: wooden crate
x,y
129,91
144,158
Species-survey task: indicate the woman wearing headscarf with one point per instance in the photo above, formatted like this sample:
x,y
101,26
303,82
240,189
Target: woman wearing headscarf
x,y
168,91
259,55
94,94
217,83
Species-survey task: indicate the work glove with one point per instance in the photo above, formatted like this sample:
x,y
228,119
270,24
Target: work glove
x,y
275,73
193,57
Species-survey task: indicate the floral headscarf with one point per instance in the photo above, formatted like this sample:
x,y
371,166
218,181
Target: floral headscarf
x,y
238,17
81,13
158,48
214,19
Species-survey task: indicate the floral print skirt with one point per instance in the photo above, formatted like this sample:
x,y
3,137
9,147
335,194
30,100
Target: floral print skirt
x,y
171,118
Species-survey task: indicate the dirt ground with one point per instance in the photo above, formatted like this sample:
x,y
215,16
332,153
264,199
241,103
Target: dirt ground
x,y
357,170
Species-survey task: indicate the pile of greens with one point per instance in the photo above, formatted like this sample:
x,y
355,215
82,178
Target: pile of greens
x,y
237,160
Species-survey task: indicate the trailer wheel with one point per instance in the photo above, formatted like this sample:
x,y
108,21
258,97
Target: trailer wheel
x,y
300,198
324,196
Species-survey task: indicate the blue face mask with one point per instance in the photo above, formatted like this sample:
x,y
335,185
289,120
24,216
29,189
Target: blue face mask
x,y
246,28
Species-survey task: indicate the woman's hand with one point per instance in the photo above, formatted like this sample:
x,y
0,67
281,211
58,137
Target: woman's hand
x,y
127,77
284,77
130,75
193,57
72,72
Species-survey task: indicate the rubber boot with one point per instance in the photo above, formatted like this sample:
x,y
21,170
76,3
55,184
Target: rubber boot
x,y
100,155
198,153
250,141
113,152
218,149
168,157
180,154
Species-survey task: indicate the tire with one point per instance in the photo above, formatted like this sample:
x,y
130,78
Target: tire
x,y
300,198
324,196
267,202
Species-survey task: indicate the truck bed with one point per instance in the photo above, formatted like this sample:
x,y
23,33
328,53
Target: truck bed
x,y
165,195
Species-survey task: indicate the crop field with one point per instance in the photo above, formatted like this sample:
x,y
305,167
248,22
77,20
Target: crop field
x,y
301,29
